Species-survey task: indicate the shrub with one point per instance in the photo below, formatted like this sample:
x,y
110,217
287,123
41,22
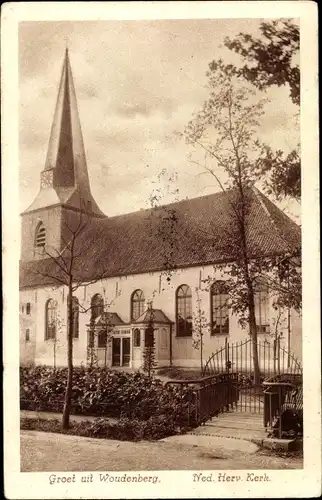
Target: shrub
x,y
102,392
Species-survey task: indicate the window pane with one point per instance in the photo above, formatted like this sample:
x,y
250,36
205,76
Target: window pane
x,y
220,310
50,326
137,304
261,299
97,306
184,311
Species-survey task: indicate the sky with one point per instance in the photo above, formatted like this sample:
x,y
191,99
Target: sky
x,y
138,84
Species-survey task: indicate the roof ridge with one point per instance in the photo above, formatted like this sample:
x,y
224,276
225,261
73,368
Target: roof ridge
x,y
141,210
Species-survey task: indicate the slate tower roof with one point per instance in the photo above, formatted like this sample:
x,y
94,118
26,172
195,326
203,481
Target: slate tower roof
x,y
64,179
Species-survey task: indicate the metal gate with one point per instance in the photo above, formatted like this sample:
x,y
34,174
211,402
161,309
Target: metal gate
x,y
237,358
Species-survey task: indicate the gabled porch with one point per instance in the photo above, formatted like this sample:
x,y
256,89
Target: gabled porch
x,y
119,345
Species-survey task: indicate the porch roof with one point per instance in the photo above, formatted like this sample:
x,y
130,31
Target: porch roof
x,y
153,316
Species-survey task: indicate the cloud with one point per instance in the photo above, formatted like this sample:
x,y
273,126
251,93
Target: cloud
x,y
137,83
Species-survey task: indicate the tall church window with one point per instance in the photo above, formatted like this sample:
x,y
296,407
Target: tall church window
x,y
137,304
184,311
97,306
261,299
75,318
219,308
40,236
50,319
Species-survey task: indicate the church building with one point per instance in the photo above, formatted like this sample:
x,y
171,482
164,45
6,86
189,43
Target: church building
x,y
162,266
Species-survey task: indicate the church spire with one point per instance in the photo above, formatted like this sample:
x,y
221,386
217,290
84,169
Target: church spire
x,y
65,172
66,152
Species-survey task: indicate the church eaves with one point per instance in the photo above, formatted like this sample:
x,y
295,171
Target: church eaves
x,y
149,240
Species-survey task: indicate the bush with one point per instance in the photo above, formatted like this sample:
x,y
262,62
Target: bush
x,y
102,392
124,430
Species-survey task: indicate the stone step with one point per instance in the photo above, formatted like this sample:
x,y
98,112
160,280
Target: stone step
x,y
248,434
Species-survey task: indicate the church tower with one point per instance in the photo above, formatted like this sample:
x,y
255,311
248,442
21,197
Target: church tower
x,y
64,184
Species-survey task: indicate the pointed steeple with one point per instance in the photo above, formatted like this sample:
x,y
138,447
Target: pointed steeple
x,y
65,176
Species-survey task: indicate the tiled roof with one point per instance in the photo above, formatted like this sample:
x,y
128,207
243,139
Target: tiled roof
x,y
153,316
191,232
110,318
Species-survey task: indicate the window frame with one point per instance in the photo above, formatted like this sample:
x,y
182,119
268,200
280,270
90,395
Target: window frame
x,y
48,333
261,288
220,285
140,301
99,307
27,335
185,297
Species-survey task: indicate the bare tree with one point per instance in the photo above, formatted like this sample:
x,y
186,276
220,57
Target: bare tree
x,y
225,130
64,268
201,327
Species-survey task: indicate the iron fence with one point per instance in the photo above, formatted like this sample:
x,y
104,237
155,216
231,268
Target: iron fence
x,y
283,405
209,396
238,357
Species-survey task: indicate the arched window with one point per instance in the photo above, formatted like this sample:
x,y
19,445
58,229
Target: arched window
x,y
219,308
184,311
137,304
40,240
75,318
136,337
261,299
50,319
97,306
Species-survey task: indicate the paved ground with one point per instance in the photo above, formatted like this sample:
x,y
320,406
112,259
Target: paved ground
x,y
241,425
49,415
42,451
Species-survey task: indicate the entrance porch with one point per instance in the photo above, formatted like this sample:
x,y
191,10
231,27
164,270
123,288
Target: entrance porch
x,y
119,345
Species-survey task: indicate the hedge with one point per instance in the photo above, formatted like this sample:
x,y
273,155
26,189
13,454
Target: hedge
x,y
125,429
103,392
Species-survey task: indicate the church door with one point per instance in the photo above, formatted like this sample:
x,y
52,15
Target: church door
x,y
121,351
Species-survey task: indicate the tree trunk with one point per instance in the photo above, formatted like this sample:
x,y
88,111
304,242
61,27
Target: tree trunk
x,y
69,386
201,352
242,225
253,334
